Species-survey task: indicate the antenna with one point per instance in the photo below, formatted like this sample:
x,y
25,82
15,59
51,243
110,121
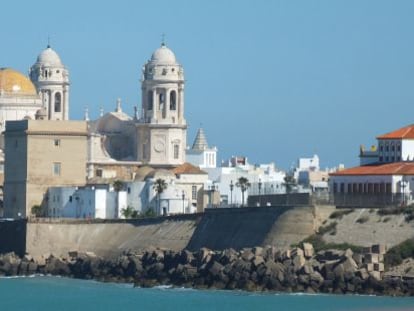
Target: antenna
x,y
163,39
48,41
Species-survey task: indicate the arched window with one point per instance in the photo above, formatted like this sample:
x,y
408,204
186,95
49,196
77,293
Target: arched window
x,y
150,100
173,100
176,151
161,100
58,102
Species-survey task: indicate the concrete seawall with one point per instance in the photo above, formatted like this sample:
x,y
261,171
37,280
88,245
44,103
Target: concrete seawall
x,y
216,229
254,226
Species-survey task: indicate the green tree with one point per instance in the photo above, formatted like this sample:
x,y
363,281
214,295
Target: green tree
x,y
244,184
129,212
118,186
159,186
289,183
37,210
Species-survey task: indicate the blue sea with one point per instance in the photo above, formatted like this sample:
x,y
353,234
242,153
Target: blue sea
x,y
54,293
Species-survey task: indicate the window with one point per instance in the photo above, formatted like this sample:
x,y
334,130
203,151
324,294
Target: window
x,y
129,190
381,148
99,172
58,104
176,151
194,192
70,198
57,142
398,148
150,100
56,169
173,100
15,143
381,159
387,148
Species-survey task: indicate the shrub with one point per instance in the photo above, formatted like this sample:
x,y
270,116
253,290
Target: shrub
x,y
362,219
319,244
328,228
398,253
340,213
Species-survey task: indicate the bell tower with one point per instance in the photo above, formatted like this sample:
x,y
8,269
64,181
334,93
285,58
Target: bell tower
x,y
162,128
51,79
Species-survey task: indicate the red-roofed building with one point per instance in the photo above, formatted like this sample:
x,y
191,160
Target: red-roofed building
x,y
385,176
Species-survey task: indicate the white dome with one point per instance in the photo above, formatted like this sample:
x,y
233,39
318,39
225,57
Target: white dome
x,y
50,57
163,55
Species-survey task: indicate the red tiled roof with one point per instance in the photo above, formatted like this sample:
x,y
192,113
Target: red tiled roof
x,y
406,132
188,168
395,168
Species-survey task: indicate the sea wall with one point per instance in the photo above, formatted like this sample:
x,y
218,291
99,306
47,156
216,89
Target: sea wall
x,y
216,229
13,236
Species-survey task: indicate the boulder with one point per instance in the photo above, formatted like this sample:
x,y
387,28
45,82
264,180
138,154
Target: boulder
x,y
308,250
257,261
379,249
247,254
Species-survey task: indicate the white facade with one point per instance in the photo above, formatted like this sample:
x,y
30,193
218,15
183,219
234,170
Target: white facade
x,y
222,178
85,202
51,78
162,128
201,154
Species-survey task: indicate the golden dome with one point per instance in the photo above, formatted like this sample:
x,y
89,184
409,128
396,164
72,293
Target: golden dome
x,y
13,82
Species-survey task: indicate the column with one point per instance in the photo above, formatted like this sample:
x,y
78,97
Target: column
x,y
66,103
154,103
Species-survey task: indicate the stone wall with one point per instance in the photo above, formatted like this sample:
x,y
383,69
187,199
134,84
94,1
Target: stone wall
x,y
13,236
216,229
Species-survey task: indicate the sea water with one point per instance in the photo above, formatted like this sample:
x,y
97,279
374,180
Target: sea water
x,y
54,293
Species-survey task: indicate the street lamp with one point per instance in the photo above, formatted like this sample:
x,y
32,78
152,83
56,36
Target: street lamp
x,y
260,188
231,192
183,197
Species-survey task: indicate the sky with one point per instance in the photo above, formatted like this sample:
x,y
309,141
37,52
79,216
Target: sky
x,y
270,80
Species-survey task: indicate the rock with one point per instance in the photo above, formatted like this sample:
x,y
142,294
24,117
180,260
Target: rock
x,y
371,258
298,261
247,255
358,258
375,274
216,269
204,255
73,254
270,253
379,249
257,260
348,253
308,250
258,251
349,264
307,268
31,268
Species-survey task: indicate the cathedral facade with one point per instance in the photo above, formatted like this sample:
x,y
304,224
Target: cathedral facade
x,y
157,135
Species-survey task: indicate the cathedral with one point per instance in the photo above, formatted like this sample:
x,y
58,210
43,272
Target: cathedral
x,y
156,136
42,95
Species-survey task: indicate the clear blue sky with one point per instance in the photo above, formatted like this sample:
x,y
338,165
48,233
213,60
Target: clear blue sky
x,y
272,80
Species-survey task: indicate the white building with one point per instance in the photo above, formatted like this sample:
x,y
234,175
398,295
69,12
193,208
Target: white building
x,y
86,202
389,179
224,179
201,154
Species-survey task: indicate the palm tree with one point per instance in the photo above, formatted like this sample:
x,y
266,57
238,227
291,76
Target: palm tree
x,y
159,186
118,186
244,184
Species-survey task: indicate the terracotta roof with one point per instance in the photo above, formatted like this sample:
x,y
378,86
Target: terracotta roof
x,y
395,168
406,132
187,168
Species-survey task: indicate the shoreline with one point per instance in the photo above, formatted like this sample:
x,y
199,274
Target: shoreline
x,y
256,270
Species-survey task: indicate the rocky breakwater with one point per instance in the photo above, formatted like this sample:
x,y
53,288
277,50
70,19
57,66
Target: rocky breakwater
x,y
252,269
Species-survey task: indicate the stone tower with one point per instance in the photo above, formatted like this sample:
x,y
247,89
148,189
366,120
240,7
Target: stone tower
x,y
51,79
162,128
